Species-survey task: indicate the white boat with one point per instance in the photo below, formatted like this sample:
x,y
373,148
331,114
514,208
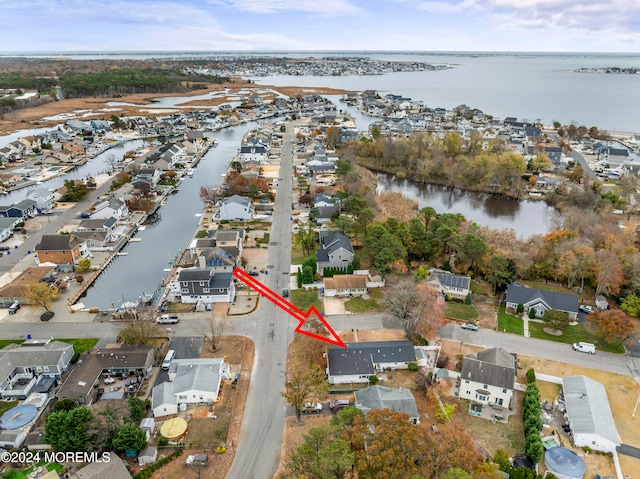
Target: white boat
x,y
189,171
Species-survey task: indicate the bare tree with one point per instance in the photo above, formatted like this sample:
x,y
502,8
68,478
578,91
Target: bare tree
x,y
209,194
111,162
212,331
143,329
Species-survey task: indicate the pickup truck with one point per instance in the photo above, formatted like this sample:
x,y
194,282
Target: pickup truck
x,y
167,319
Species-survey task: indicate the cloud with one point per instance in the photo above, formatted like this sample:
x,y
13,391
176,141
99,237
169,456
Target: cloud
x,y
326,7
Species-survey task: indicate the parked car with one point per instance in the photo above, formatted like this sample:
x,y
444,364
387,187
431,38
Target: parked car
x,y
339,403
285,293
168,319
311,407
585,308
584,347
469,326
254,273
14,308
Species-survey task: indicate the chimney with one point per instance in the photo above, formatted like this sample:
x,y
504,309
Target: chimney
x,y
201,262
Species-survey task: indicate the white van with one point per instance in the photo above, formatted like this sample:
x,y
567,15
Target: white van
x,y
167,360
584,348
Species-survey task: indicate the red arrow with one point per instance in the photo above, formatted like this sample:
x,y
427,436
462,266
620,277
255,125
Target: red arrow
x,y
289,308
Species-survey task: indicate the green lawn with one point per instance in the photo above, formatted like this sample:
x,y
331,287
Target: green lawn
x,y
80,345
482,289
6,405
6,342
25,473
305,299
371,305
296,253
510,324
574,334
461,311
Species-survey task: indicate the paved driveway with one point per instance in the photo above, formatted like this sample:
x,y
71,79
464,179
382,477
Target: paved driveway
x,y
333,306
185,348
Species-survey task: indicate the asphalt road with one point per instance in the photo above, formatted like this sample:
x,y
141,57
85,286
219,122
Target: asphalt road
x,y
260,441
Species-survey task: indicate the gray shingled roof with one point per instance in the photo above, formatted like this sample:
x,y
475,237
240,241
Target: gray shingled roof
x,y
241,200
588,407
163,394
519,294
57,243
381,397
494,366
194,274
359,358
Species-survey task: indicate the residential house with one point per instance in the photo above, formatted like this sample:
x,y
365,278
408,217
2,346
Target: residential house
x,y
146,179
451,285
34,364
114,468
345,285
24,209
589,414
43,198
540,300
195,285
191,381
358,361
61,249
107,226
110,208
254,152
488,378
395,399
7,225
236,207
30,142
83,382
336,251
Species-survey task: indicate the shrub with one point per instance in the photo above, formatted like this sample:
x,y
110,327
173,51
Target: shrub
x,y
413,366
531,376
467,299
79,278
520,309
532,313
221,450
163,441
373,379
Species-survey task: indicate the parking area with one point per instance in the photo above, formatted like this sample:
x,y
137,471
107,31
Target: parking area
x,y
185,348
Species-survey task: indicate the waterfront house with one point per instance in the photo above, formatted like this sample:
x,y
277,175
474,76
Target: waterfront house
x,y
30,143
254,152
345,285
61,249
335,251
203,286
395,399
488,378
236,207
43,197
191,381
452,285
110,208
358,361
24,209
33,365
82,384
540,300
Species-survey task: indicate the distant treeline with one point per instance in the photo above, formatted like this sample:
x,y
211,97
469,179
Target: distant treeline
x,y
110,83
26,81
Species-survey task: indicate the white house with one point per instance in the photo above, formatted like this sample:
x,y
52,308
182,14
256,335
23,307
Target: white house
x,y
43,198
7,225
191,381
589,414
488,378
452,285
345,285
254,152
112,207
236,207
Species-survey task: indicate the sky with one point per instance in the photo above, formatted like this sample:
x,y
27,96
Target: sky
x,y
345,25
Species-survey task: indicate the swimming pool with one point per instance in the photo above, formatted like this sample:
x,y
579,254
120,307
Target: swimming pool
x,y
55,168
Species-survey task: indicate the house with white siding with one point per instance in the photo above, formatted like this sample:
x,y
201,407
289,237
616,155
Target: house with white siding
x,y
236,207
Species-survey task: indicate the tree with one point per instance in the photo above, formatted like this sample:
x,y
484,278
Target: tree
x,y
213,331
83,265
307,275
500,272
311,261
303,384
613,324
306,199
631,305
540,162
555,318
306,237
65,430
209,195
609,277
236,166
130,438
322,455
137,408
416,307
111,162
140,332
40,293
